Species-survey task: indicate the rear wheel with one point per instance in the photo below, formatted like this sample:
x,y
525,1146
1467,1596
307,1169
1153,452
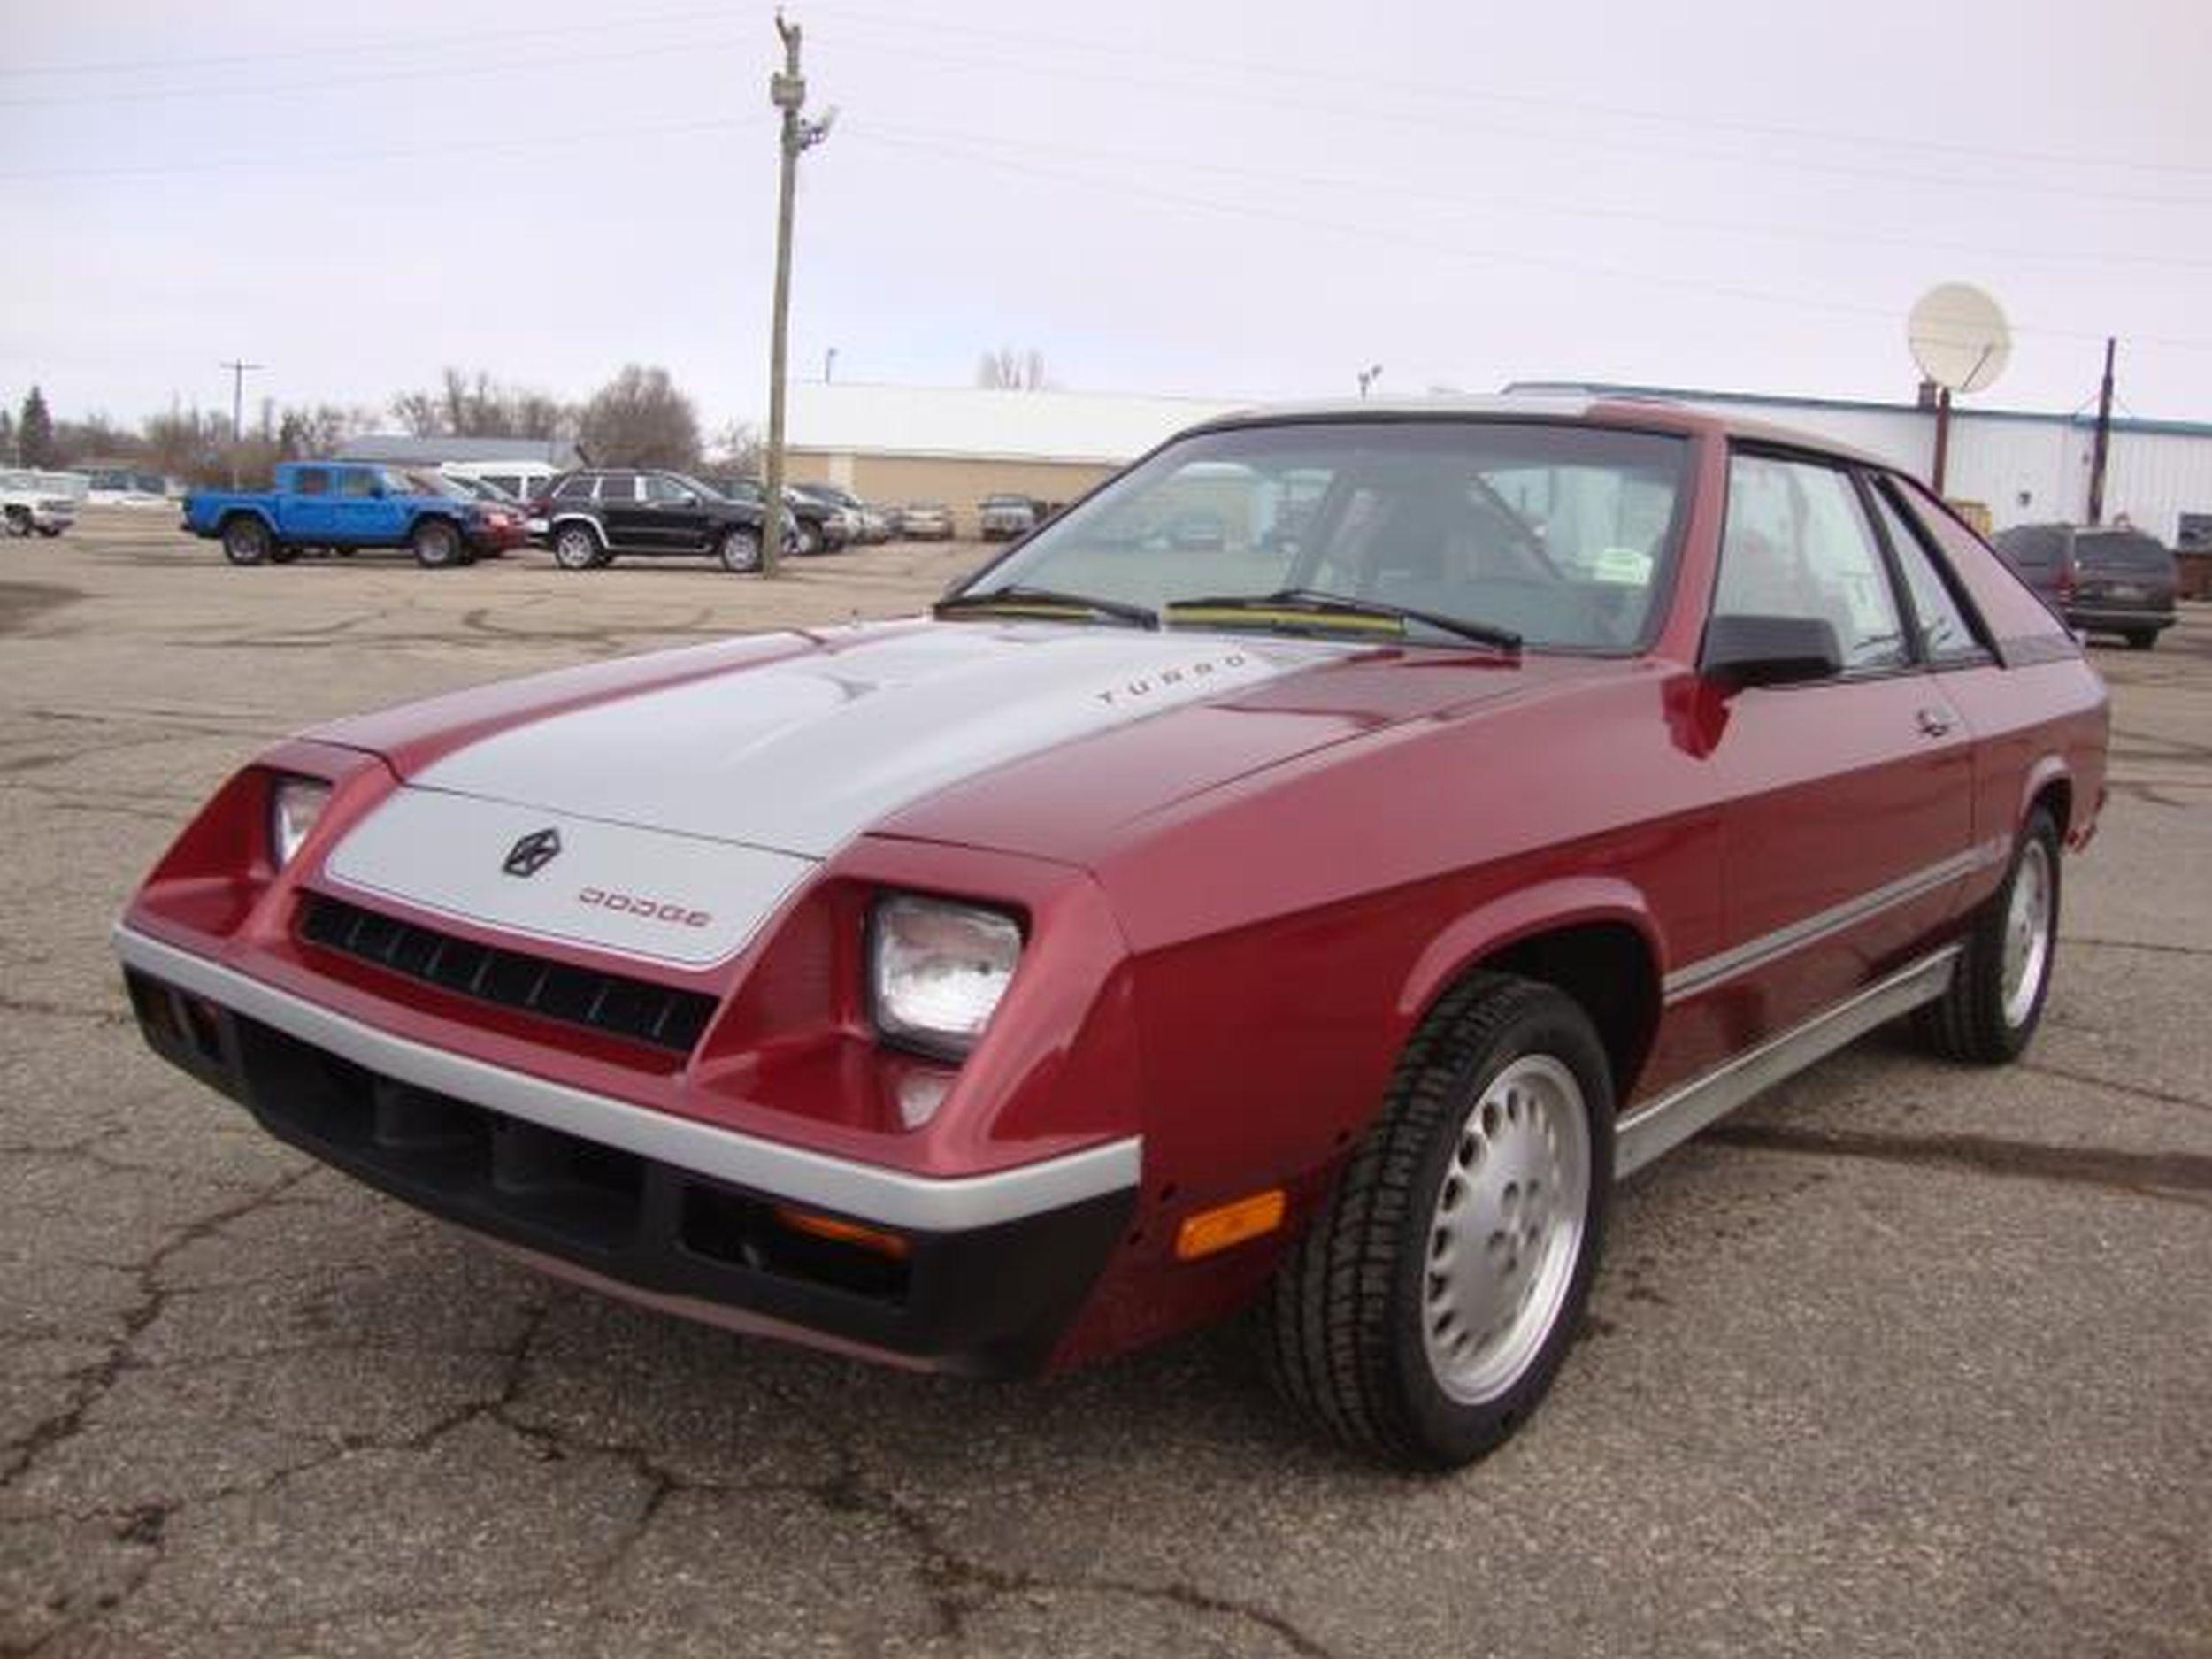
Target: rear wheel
x,y
1999,987
1427,1309
738,549
246,539
575,547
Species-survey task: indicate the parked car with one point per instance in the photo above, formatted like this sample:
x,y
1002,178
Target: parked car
x,y
2102,580
591,517
998,517
345,505
521,479
505,520
926,521
817,527
863,524
35,501
1152,930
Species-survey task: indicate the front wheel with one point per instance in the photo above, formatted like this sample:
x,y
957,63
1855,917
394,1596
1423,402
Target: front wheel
x,y
18,521
2003,976
436,544
739,550
1426,1311
246,540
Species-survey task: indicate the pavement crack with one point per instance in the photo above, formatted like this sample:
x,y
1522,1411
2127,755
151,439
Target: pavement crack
x,y
2094,943
2164,1097
93,1381
2183,1178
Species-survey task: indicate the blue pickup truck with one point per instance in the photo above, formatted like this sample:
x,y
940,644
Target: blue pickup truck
x,y
347,504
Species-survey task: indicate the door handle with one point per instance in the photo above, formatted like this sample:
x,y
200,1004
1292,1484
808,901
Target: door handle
x,y
1932,723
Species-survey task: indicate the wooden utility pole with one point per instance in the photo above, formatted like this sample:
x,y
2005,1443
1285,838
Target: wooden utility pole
x,y
238,371
1943,440
787,92
2104,438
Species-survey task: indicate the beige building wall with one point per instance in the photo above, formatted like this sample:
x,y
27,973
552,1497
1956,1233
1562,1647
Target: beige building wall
x,y
960,482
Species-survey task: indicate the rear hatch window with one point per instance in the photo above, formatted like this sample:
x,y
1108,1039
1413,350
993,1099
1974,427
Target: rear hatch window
x,y
2121,553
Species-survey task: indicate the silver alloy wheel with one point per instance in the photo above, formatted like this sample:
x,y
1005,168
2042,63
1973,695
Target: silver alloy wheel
x,y
1505,1232
575,548
2027,932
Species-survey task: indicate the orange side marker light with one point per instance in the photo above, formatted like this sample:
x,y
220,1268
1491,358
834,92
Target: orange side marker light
x,y
1225,1225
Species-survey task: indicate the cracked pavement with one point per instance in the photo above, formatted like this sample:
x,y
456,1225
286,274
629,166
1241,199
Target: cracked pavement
x,y
1903,1359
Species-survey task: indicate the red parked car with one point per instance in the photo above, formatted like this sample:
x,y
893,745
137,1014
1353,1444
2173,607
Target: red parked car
x,y
1327,913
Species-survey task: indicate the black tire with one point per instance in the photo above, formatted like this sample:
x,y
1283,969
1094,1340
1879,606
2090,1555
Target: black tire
x,y
50,531
576,546
1348,1322
1985,1017
2142,639
738,549
246,539
18,521
437,545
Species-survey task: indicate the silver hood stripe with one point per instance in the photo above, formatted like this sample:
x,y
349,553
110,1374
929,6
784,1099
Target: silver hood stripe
x,y
869,1191
689,813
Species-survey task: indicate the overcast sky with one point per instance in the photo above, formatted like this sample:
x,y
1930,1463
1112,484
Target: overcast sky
x,y
1212,199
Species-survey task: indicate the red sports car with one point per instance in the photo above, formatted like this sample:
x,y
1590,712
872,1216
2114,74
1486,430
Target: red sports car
x,y
1326,912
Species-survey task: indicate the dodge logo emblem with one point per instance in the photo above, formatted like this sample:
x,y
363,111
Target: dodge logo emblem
x,y
532,852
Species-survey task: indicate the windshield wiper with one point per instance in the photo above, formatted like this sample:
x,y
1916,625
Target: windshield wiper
x,y
1322,607
1047,601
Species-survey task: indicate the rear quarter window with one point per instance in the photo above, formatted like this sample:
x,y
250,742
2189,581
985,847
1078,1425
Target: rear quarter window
x,y
2019,622
2119,551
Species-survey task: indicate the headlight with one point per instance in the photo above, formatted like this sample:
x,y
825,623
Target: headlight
x,y
295,803
938,970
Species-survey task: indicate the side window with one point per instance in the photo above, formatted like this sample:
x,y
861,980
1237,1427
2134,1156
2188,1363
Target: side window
x,y
617,486
1946,634
312,480
507,482
574,489
358,482
1798,544
661,487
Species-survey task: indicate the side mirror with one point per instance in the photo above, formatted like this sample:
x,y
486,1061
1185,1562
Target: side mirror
x,y
1758,651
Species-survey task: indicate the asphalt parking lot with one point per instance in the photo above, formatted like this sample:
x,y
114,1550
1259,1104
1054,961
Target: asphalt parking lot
x,y
1905,1358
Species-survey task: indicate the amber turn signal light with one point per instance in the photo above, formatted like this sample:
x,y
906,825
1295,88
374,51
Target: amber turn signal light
x,y
843,1232
1225,1225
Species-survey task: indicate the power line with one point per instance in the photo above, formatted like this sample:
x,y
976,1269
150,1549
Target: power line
x,y
1498,256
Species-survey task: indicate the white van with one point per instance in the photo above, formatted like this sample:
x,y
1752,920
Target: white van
x,y
522,479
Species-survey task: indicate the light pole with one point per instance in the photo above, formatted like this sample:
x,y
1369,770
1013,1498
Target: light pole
x,y
787,91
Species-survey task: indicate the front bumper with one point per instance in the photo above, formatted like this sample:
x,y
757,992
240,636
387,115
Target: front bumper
x,y
675,1212
2118,618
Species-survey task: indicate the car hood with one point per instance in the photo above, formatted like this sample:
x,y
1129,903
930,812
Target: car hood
x,y
685,810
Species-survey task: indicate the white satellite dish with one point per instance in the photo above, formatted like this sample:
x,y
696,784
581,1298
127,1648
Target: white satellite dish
x,y
1959,337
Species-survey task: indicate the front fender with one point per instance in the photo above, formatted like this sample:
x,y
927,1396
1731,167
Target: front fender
x,y
1521,914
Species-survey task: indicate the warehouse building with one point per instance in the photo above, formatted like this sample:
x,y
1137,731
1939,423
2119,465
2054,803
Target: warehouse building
x,y
956,445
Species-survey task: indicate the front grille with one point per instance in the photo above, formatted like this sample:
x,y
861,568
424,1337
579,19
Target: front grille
x,y
637,1009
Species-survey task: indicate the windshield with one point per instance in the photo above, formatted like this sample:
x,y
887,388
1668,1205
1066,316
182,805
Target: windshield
x,y
1561,534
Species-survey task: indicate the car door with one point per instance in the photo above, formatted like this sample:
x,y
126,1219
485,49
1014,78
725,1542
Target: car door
x,y
681,519
357,508
621,515
1848,801
308,512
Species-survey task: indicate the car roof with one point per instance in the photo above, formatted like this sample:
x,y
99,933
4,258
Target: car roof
x,y
1649,414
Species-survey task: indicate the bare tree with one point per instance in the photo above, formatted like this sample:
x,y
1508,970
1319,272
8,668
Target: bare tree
x,y
190,444
465,405
1011,371
734,451
639,418
304,433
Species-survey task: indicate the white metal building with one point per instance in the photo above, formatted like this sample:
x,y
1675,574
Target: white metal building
x,y
2025,468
